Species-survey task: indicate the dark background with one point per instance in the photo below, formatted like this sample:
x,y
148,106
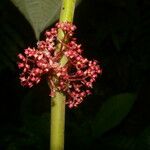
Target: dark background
x,y
117,34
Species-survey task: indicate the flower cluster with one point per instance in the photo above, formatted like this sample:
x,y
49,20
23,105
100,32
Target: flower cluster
x,y
74,78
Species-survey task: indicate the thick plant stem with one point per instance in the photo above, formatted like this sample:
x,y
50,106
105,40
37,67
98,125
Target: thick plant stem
x,y
57,126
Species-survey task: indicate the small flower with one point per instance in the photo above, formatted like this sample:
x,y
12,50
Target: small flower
x,y
74,79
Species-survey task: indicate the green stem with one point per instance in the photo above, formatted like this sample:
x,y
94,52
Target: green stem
x,y
57,126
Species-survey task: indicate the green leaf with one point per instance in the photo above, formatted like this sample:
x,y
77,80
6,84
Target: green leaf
x,y
39,13
112,113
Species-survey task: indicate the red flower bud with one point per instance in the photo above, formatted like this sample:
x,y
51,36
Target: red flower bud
x,y
74,78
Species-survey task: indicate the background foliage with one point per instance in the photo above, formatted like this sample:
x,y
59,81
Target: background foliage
x,y
116,116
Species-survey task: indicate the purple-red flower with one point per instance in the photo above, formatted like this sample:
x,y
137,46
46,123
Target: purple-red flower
x,y
74,78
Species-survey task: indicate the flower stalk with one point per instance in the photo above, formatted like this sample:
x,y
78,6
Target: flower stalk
x,y
70,75
57,124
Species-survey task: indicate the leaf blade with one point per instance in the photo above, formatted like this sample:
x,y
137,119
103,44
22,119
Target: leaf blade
x,y
39,13
112,113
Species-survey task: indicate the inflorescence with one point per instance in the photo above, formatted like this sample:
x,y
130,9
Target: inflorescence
x,y
74,78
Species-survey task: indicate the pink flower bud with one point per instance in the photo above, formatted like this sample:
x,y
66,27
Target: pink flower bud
x,y
74,79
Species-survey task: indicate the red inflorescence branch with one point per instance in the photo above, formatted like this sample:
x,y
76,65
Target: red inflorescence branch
x,y
74,79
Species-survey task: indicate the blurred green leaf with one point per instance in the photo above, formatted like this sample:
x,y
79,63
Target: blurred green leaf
x,y
112,113
39,13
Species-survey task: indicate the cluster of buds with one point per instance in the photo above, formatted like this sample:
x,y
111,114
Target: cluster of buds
x,y
74,78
